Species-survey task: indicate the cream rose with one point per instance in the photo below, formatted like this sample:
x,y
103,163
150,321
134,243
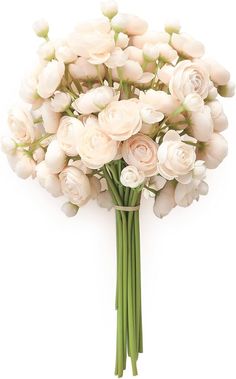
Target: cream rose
x,y
131,177
141,151
175,158
95,147
68,134
93,41
75,186
189,77
94,100
120,119
21,125
50,78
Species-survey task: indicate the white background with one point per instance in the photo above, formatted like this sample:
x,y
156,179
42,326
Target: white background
x,y
57,275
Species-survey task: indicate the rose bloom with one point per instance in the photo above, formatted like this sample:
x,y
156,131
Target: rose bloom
x,y
214,151
141,151
131,177
95,147
120,119
201,124
189,77
93,41
175,158
94,100
81,69
68,134
48,180
75,186
165,200
159,100
50,78
21,125
187,46
50,118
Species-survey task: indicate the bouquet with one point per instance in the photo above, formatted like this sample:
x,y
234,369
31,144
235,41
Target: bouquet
x,y
115,112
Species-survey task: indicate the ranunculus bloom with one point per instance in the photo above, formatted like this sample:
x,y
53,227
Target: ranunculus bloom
x,y
50,78
151,38
21,125
189,77
132,72
50,118
120,119
193,102
95,147
8,145
219,118
218,74
159,100
83,70
48,180
187,46
93,41
165,200
175,157
95,100
129,24
214,151
39,154
63,52
75,186
22,164
202,124
60,101
47,50
167,53
131,177
68,134
141,151
55,157
165,73
185,194
117,59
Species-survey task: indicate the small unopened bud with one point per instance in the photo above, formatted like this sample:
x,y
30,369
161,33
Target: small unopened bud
x,y
109,8
8,145
69,209
172,26
41,28
150,52
227,90
119,23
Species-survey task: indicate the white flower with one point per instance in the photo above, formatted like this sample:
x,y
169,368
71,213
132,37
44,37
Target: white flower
x,y
201,124
55,157
104,200
122,40
8,145
151,52
68,134
172,26
150,115
28,90
50,78
175,158
95,147
109,8
150,37
131,177
83,70
165,73
60,101
21,125
95,185
187,46
129,24
189,77
166,53
22,164
94,100
185,194
193,102
93,41
41,28
219,118
141,151
46,51
198,173
165,200
120,119
118,58
228,90
50,118
75,186
69,209
218,74
39,154
159,100
214,151
48,180
63,52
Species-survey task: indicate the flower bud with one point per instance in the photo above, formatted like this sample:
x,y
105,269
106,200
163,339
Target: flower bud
x,y
119,23
227,90
109,8
60,101
122,40
55,157
173,26
39,154
8,145
41,28
150,52
193,102
46,51
69,209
